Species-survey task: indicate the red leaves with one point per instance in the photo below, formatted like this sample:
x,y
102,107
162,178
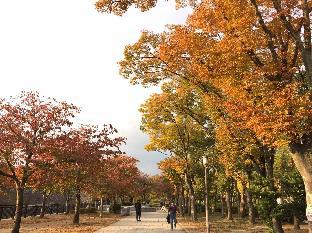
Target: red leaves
x,y
28,122
118,176
39,148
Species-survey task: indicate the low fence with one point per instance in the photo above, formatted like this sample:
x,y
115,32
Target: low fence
x,y
144,209
105,208
8,211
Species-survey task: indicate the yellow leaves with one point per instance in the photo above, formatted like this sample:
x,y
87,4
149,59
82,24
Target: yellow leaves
x,y
167,120
172,168
173,163
141,63
244,64
120,7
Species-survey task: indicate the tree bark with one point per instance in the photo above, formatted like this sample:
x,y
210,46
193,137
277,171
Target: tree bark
x,y
296,222
77,206
243,202
1,212
189,206
238,197
43,207
251,209
19,209
229,204
193,206
277,225
303,164
192,198
222,206
187,203
269,162
67,203
101,208
239,213
180,199
183,200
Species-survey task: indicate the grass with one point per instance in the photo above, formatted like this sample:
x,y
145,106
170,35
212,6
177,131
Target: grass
x,y
61,223
221,225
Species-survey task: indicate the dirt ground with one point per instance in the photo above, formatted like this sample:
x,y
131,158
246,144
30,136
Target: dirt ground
x,y
220,225
60,224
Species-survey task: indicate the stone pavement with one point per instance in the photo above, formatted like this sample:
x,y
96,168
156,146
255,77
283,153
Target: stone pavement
x,y
152,222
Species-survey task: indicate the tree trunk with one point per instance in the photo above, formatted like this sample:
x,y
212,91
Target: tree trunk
x,y
77,206
101,208
67,203
251,209
180,200
229,204
44,198
187,203
242,208
193,206
296,223
222,206
183,200
238,198
19,209
277,225
1,212
192,198
189,206
269,162
301,155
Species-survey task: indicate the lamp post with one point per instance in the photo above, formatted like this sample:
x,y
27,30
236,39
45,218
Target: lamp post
x,y
205,163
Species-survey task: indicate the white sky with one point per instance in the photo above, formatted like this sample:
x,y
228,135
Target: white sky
x,y
67,50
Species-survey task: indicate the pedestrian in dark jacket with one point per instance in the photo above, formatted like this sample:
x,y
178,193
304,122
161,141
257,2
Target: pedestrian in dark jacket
x,y
172,211
138,209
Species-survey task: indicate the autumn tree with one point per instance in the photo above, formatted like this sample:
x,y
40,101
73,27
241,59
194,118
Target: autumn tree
x,y
173,169
6,185
81,152
28,122
172,129
257,54
161,188
46,180
117,177
292,200
273,97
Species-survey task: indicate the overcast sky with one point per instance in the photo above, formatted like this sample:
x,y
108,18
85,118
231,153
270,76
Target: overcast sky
x,y
67,50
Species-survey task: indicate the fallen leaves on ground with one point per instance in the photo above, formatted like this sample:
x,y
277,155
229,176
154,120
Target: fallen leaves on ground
x,y
221,225
61,223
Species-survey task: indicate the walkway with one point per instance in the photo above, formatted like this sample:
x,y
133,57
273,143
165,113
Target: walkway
x,y
152,222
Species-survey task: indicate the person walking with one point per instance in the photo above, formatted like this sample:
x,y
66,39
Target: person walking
x,y
138,209
172,211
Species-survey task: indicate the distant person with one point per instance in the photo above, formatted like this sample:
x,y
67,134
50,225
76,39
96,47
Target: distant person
x,y
138,210
172,211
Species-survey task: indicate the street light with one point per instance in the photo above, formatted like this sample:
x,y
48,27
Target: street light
x,y
205,163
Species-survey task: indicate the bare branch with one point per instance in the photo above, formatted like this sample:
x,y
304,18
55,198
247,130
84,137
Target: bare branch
x,y
295,33
267,31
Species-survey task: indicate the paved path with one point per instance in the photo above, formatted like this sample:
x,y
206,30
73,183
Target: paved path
x,y
152,222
